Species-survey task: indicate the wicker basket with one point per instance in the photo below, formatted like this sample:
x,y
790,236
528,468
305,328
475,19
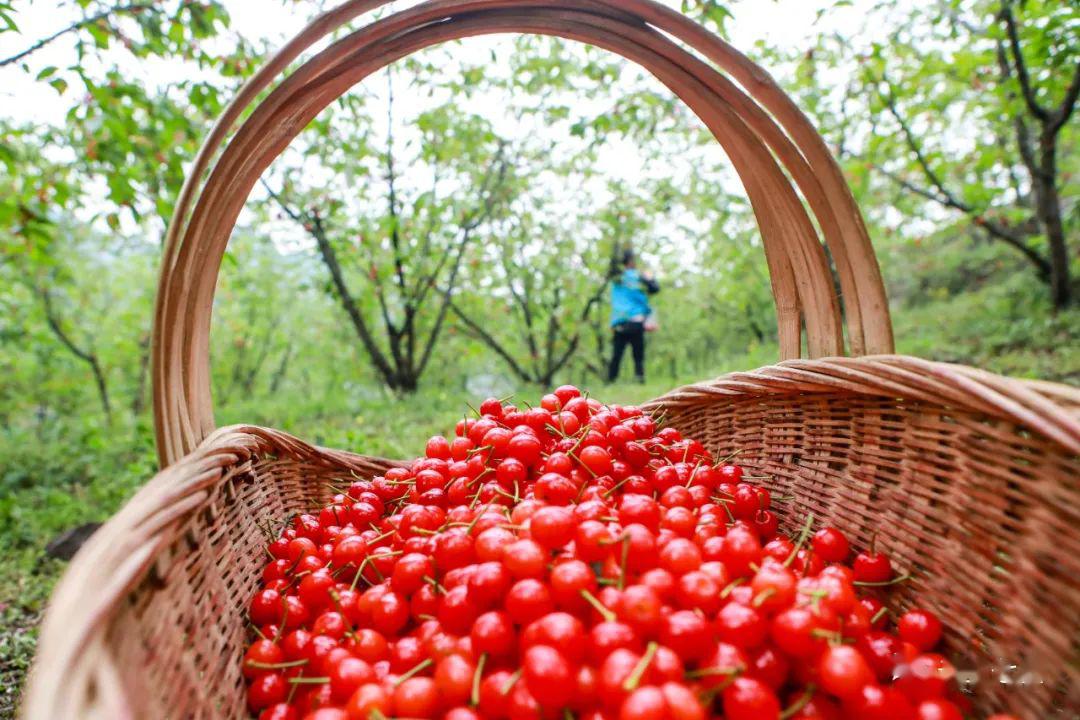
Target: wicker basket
x,y
970,479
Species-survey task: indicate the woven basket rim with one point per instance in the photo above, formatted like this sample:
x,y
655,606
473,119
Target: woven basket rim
x,y
1050,409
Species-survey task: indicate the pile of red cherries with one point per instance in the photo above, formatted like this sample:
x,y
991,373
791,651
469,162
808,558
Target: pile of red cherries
x,y
576,560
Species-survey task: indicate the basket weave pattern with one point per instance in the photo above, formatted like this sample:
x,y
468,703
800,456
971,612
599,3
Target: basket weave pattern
x,y
970,481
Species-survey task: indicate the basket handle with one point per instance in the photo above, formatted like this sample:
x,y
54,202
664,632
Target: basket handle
x,y
759,127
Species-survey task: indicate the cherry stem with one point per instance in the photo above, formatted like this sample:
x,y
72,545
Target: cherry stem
x,y
578,444
879,614
597,605
616,486
434,584
800,703
634,679
420,667
281,626
762,596
714,671
731,586
622,563
275,666
474,521
380,538
834,637
309,680
802,539
510,682
292,689
474,697
726,458
895,581
693,472
257,631
336,599
359,572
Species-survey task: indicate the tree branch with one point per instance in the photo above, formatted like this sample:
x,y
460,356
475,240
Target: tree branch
x,y
76,26
282,368
138,401
552,327
391,178
493,179
524,302
1065,110
425,279
1023,135
992,228
87,356
329,257
489,340
912,142
408,327
1018,60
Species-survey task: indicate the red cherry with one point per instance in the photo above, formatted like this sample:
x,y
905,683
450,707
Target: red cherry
x,y
686,633
262,653
552,527
347,676
280,711
454,678
493,633
417,697
644,703
548,675
921,628
267,690
831,545
527,600
843,672
750,699
872,567
938,709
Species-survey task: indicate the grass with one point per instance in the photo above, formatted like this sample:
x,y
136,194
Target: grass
x,y
78,472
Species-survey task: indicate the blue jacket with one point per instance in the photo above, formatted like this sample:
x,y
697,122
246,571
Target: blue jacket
x,y
630,297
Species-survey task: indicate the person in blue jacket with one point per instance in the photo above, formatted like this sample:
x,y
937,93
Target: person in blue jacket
x,y
631,315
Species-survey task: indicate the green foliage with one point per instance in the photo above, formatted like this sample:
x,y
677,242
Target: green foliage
x,y
939,114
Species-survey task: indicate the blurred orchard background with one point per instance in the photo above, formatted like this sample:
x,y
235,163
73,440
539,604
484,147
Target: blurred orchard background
x,y
445,231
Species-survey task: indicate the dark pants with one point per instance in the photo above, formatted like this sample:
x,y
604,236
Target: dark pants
x,y
632,334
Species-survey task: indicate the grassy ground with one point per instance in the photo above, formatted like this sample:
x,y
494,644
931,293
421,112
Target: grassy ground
x,y
51,484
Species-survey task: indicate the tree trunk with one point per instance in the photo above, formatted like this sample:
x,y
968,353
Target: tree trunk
x,y
404,381
1048,208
